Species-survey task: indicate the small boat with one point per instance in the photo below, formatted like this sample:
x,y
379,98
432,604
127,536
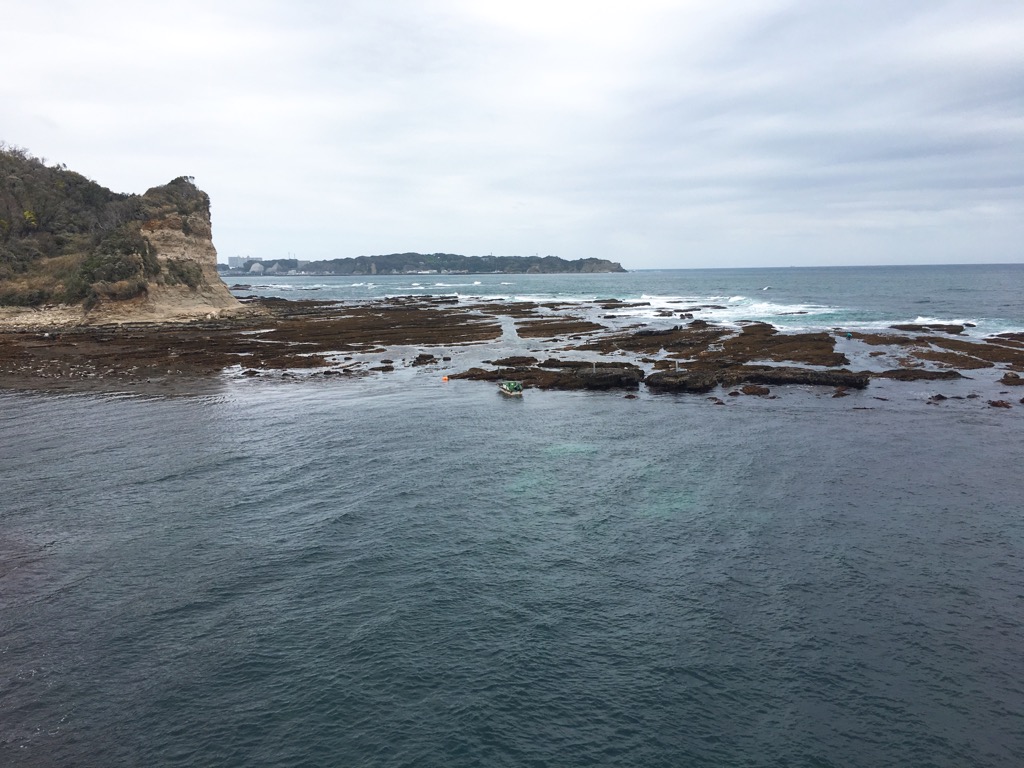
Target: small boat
x,y
511,388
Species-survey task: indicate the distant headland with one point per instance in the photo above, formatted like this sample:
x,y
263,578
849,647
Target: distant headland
x,y
73,251
423,264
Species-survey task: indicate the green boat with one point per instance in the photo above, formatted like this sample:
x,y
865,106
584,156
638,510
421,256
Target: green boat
x,y
511,388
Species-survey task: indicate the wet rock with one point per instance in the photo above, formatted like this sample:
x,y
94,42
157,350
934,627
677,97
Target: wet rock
x,y
648,332
571,375
760,341
513,362
424,358
999,404
772,375
918,374
1011,379
930,328
754,389
555,326
951,359
693,382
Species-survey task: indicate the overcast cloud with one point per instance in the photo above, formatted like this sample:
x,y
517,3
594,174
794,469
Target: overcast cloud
x,y
654,133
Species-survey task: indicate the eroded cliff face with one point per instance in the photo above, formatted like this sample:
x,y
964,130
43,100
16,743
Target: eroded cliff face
x,y
72,251
180,233
182,280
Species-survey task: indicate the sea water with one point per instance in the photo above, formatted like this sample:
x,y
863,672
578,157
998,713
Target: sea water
x,y
407,572
991,297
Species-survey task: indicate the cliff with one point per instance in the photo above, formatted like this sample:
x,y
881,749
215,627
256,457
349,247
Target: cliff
x,y
72,250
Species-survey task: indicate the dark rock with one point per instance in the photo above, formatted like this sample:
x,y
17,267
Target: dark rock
x,y
918,374
608,378
951,329
694,382
999,404
646,332
938,398
573,375
772,375
700,380
424,359
1011,379
754,389
734,393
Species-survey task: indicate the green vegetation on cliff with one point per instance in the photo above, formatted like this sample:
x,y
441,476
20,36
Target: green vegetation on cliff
x,y
66,239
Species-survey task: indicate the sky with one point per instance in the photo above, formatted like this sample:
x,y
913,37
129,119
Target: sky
x,y
655,133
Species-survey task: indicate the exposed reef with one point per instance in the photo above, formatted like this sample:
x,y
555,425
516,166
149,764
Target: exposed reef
x,y
72,252
544,345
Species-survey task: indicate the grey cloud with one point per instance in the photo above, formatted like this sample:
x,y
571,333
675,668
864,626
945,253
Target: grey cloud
x,y
764,133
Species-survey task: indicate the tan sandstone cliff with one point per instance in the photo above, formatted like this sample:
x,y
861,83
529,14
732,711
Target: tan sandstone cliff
x,y
167,248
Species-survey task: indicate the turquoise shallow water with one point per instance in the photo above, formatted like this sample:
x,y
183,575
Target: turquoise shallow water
x,y
308,575
397,571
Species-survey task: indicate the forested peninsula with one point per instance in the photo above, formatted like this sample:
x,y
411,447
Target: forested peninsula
x,y
429,263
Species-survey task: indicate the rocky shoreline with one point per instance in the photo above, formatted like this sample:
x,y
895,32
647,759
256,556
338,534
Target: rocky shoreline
x,y
564,346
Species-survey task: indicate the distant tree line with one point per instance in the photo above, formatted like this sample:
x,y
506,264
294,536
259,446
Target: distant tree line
x,y
411,263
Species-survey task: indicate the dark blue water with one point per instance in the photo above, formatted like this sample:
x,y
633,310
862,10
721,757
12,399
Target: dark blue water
x,y
364,575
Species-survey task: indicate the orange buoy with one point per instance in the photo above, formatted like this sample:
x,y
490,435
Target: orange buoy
x,y
444,378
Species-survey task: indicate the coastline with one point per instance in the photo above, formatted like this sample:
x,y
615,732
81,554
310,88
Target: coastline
x,y
546,345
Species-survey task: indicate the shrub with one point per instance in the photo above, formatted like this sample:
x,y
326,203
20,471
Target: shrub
x,y
183,271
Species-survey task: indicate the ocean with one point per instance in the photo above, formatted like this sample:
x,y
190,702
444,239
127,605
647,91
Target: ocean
x,y
989,296
400,571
